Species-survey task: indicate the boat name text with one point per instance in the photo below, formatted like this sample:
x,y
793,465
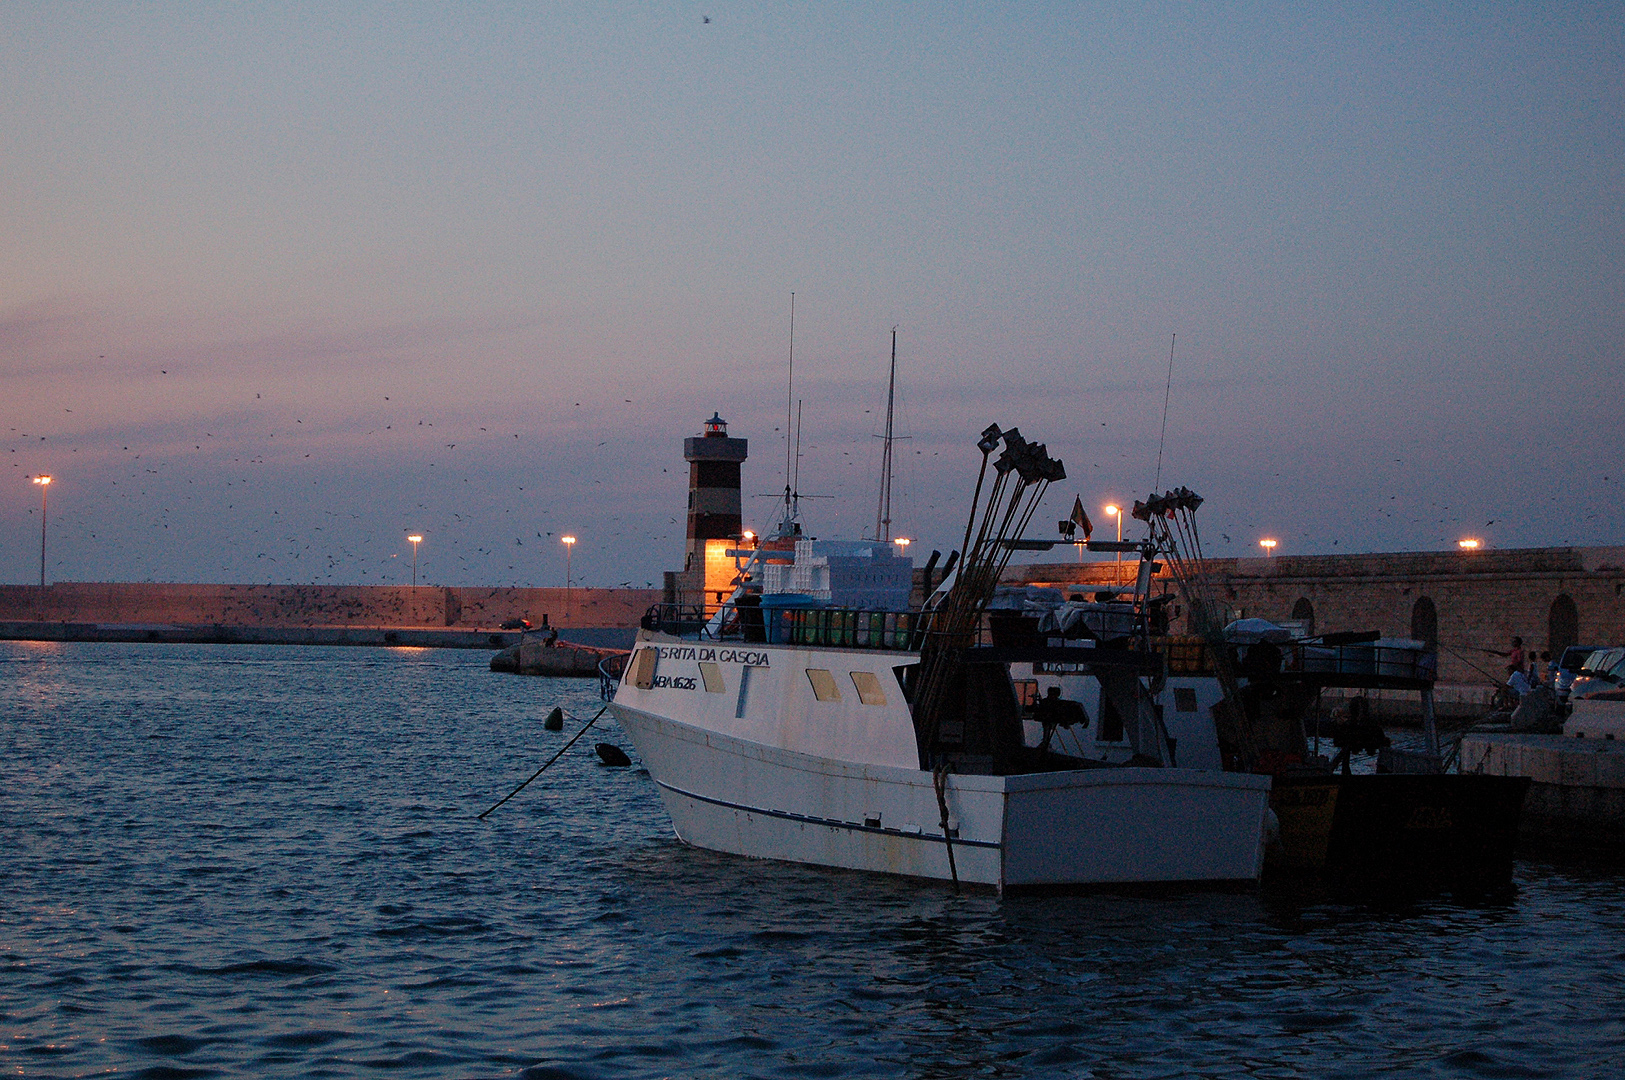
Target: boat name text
x,y
748,658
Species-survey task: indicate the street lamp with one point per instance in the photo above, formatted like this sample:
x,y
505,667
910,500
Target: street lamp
x,y
569,543
1268,546
1112,510
414,540
1467,545
44,483
902,542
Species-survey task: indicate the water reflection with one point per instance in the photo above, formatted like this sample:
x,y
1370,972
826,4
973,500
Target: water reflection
x,y
292,881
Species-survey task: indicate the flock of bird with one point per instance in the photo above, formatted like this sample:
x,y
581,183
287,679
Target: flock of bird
x,y
256,500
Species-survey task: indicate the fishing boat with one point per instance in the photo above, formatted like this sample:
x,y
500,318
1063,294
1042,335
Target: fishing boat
x,y
1245,695
816,717
1403,820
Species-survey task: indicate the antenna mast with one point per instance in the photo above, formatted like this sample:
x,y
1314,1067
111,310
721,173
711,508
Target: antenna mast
x,y
795,473
883,511
1163,439
789,404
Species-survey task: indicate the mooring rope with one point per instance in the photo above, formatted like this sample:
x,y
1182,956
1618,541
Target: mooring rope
x,y
550,761
940,775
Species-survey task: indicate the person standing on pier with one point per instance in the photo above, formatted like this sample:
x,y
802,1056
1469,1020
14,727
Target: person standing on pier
x,y
1517,662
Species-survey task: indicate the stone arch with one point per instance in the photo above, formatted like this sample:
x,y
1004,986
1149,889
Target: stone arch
x,y
1425,622
1562,625
1303,611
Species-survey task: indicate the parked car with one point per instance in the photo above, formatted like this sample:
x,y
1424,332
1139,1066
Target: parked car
x,y
1569,665
1603,670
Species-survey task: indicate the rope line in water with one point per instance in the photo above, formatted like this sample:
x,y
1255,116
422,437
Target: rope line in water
x,y
550,761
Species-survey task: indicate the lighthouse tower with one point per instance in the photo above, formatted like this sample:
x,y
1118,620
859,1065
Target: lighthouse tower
x,y
714,511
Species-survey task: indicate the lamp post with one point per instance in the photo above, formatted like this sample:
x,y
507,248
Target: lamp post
x,y
902,543
1268,546
1113,510
44,483
414,540
569,543
1468,545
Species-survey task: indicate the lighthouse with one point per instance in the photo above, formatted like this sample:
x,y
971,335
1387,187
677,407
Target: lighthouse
x,y
714,511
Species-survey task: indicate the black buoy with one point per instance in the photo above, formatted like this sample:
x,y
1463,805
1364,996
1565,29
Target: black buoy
x,y
555,720
610,754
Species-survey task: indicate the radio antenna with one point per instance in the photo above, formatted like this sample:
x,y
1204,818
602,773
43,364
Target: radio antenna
x,y
795,474
789,404
1167,387
883,511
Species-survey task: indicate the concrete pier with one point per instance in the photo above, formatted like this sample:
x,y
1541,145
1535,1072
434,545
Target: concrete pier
x,y
423,616
427,637
172,604
1578,790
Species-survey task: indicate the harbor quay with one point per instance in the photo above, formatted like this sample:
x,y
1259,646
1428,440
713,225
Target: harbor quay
x,y
428,616
1468,604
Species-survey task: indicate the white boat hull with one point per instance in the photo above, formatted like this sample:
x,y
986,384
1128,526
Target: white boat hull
x,y
1088,827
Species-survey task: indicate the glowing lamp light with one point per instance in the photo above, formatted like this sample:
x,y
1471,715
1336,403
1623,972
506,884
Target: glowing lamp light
x,y
44,483
1468,545
903,542
415,539
1115,511
569,543
1268,546
747,536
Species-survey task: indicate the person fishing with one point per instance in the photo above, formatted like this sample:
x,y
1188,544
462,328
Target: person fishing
x,y
1517,660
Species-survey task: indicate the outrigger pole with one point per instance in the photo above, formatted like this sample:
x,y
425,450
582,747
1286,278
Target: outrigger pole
x,y
1021,476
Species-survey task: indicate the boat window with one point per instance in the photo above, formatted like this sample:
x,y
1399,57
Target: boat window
x,y
711,674
1111,722
869,691
643,668
1026,694
1184,699
823,684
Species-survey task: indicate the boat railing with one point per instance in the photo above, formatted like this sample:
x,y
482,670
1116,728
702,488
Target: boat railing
x,y
846,628
1360,665
610,670
678,619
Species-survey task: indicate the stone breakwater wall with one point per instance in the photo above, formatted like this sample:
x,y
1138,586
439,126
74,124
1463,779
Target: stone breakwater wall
x,y
319,605
1463,601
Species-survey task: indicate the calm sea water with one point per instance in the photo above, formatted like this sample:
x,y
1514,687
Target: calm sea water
x,y
242,861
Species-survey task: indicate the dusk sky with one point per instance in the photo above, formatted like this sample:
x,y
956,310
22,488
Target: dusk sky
x,y
283,283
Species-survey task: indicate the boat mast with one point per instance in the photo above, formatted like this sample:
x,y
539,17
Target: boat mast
x,y
883,511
